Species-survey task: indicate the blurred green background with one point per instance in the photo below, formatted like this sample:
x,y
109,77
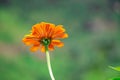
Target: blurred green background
x,y
93,44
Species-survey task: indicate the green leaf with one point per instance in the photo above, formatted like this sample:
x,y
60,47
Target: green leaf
x,y
115,68
116,79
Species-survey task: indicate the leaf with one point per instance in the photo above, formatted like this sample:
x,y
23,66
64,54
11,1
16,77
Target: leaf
x,y
115,68
116,79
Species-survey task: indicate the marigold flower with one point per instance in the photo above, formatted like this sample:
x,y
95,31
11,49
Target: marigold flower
x,y
45,36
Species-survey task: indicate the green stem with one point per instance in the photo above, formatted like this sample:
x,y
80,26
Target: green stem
x,y
49,65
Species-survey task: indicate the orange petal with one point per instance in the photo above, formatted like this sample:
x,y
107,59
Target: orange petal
x,y
65,35
36,30
59,28
30,41
42,48
34,48
59,32
57,43
49,29
51,47
42,27
57,36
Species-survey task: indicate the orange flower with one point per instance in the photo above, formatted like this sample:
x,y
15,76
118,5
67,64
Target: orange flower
x,y
45,36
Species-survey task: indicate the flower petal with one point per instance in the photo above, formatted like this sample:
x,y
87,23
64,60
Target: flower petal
x,y
49,29
62,35
30,41
34,48
42,48
51,47
57,43
59,32
59,28
36,30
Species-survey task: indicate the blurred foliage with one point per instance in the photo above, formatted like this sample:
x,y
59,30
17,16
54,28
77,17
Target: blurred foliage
x,y
116,79
93,43
115,68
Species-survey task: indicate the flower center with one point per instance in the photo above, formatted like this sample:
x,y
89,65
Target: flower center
x,y
45,41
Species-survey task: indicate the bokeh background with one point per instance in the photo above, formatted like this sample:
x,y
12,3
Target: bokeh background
x,y
93,44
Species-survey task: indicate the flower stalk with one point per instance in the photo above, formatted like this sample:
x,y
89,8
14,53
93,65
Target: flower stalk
x,y
49,65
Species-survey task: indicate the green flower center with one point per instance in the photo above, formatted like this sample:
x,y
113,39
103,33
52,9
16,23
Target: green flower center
x,y
45,41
